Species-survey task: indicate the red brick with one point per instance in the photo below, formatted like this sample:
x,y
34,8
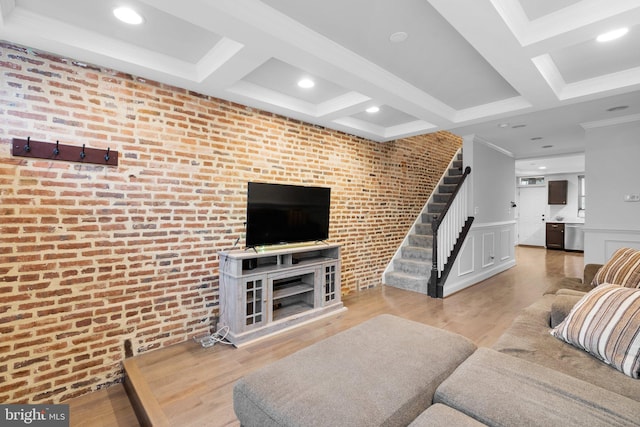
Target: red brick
x,y
132,251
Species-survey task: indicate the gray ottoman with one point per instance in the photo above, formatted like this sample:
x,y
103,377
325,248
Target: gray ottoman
x,y
439,415
381,372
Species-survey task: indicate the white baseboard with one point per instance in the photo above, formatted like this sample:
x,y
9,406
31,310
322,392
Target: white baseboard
x,y
475,278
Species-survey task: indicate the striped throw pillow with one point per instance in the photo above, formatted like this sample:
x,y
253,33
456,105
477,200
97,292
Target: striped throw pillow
x,y
622,269
606,323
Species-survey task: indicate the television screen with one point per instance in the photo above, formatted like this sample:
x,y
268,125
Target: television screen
x,y
278,213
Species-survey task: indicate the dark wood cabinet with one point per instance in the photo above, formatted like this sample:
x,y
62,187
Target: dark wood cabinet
x,y
555,235
558,192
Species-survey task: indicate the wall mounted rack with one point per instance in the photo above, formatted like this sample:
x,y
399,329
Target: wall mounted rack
x,y
56,151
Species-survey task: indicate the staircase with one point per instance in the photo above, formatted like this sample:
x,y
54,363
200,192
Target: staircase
x,y
412,265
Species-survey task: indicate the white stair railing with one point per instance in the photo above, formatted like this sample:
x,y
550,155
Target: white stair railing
x,y
451,226
446,230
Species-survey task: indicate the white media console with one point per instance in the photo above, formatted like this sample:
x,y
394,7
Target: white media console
x,y
267,291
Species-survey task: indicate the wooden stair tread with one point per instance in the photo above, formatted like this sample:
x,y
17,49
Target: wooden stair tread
x,y
144,402
107,407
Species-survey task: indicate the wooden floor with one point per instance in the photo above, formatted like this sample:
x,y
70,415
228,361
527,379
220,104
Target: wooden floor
x,y
193,385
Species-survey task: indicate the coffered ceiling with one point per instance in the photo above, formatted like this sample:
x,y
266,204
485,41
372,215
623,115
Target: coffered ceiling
x,y
532,66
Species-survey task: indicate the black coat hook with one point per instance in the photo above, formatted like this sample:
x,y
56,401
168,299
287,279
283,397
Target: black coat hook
x,y
26,147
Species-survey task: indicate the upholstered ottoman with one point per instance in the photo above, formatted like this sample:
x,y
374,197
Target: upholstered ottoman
x,y
439,415
381,372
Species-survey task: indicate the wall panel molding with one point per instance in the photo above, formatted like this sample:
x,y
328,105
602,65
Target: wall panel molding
x,y
474,263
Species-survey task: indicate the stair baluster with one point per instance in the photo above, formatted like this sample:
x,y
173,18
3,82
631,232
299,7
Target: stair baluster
x,y
449,229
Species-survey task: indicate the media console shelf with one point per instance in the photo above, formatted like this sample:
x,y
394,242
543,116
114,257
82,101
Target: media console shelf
x,y
268,291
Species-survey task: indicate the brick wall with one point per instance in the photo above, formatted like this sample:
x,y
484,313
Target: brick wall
x,y
99,262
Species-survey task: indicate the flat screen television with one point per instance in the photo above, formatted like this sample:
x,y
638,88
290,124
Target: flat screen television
x,y
278,213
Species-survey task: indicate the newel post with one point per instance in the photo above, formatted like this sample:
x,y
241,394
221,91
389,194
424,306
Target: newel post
x,y
432,289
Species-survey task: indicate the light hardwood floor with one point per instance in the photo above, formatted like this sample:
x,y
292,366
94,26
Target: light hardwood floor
x,y
193,385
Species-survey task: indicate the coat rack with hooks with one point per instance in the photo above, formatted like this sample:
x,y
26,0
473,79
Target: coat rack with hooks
x,y
56,151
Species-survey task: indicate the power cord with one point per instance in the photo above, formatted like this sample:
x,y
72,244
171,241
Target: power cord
x,y
216,337
219,336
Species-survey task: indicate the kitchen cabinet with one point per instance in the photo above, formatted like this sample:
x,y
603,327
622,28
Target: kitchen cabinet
x,y
557,192
555,235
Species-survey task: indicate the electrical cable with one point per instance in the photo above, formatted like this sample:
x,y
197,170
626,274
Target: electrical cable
x,y
220,335
217,337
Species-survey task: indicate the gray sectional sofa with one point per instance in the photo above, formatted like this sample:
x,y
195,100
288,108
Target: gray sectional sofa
x,y
390,371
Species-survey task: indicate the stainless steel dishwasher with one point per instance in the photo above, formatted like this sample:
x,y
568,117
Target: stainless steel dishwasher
x,y
574,237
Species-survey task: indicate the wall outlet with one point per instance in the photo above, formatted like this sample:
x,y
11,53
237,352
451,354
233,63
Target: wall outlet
x,y
632,197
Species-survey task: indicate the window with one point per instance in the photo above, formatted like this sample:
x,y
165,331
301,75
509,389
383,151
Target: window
x,y
582,196
534,181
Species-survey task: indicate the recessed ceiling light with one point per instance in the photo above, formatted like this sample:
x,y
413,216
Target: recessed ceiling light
x,y
618,108
536,138
518,126
398,37
542,167
306,83
612,35
547,146
372,110
128,15
503,125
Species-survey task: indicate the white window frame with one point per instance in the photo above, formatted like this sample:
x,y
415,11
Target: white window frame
x,y
582,196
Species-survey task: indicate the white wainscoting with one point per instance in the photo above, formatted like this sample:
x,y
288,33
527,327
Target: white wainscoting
x,y
600,244
489,249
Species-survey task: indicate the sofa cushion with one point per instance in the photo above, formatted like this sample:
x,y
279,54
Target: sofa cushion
x,y
528,338
562,306
590,271
571,292
622,269
497,389
381,372
606,323
440,415
568,283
